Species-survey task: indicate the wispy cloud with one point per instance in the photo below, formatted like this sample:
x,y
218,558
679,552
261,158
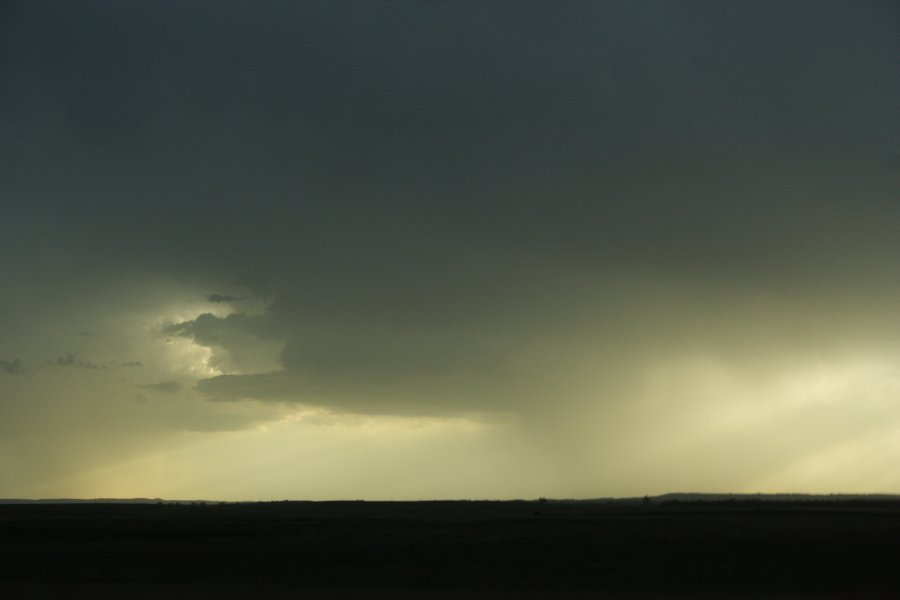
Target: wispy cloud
x,y
11,367
166,387
71,360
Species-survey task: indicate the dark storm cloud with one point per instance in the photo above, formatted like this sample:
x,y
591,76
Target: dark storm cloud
x,y
448,201
605,134
167,387
210,330
239,342
377,370
11,367
374,367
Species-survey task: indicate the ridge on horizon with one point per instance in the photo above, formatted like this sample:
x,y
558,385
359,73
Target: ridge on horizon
x,y
665,497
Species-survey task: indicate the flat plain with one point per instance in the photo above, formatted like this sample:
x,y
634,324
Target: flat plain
x,y
481,549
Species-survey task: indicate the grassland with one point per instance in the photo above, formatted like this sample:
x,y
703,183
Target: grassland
x,y
451,549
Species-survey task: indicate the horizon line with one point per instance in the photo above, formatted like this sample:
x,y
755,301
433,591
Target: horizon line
x,y
709,496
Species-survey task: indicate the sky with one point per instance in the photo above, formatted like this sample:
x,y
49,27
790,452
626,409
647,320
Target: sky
x,y
449,249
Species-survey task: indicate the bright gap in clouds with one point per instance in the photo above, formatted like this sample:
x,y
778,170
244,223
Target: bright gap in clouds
x,y
183,356
313,454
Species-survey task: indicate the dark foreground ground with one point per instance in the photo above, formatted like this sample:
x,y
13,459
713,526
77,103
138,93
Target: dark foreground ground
x,y
451,549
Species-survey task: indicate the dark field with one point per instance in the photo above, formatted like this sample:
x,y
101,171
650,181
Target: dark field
x,y
451,549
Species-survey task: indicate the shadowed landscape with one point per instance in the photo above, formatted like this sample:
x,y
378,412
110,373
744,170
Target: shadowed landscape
x,y
657,547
